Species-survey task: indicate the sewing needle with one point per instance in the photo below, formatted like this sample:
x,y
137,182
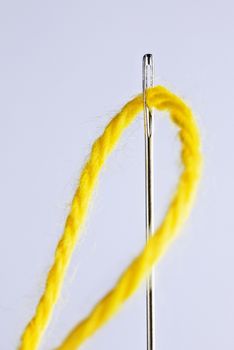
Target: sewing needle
x,y
148,81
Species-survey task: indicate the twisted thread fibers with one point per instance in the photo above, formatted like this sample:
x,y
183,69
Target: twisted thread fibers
x,y
179,208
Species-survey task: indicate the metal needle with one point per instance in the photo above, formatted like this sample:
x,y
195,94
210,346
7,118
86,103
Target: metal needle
x,y
148,81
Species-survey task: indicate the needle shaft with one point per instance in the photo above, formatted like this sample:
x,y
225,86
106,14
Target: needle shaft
x,y
148,77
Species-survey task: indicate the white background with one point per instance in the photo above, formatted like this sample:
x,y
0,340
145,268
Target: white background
x,y
65,68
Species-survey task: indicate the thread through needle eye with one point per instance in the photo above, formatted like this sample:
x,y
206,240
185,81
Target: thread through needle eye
x,y
148,81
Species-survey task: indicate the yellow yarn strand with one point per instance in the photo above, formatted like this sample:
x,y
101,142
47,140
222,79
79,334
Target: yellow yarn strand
x,y
179,208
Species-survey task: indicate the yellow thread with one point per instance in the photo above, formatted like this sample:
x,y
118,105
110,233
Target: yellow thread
x,y
161,99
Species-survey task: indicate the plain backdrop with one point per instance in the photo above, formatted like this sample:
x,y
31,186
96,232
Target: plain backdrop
x,y
65,68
